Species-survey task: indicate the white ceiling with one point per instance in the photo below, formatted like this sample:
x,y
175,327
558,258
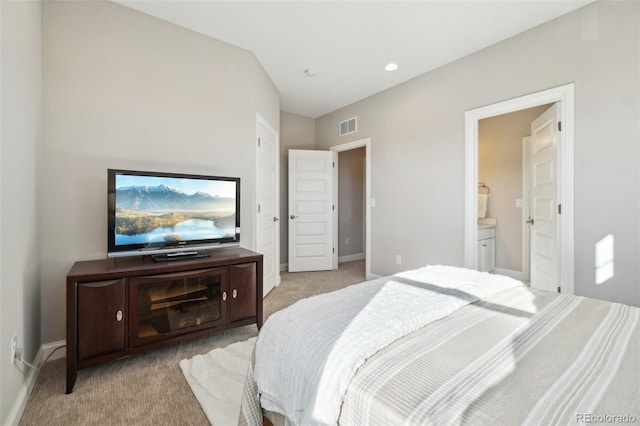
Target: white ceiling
x,y
350,42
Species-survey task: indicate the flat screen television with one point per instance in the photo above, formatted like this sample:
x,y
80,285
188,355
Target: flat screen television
x,y
171,215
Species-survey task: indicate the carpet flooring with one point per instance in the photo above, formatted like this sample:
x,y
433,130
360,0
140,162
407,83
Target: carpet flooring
x,y
149,388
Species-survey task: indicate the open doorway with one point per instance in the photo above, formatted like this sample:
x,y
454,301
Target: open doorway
x,y
352,231
351,219
562,95
503,169
314,204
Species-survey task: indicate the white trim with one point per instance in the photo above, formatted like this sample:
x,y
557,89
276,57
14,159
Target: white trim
x,y
5,356
351,257
526,207
365,142
25,391
284,267
48,349
261,121
27,387
564,95
336,202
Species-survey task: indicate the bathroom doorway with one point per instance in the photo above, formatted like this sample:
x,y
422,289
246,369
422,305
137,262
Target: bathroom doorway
x,y
503,166
564,96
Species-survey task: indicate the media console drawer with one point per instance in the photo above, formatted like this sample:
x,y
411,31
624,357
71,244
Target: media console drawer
x,y
118,307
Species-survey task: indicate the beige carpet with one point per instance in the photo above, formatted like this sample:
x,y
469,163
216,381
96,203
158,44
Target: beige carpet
x,y
150,388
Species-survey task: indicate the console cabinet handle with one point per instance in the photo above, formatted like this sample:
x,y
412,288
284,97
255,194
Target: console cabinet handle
x,y
235,293
119,315
224,295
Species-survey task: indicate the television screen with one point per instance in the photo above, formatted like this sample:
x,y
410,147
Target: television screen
x,y
158,212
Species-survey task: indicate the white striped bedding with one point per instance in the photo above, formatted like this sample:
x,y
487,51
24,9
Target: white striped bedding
x,y
521,356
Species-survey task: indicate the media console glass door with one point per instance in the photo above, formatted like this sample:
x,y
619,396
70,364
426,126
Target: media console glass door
x,y
176,303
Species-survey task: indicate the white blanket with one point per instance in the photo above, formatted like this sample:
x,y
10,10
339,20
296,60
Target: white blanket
x,y
307,354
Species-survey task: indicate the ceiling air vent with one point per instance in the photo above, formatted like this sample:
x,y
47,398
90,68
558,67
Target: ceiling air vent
x,y
348,126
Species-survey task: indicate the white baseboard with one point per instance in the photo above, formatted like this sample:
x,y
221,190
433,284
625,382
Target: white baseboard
x,y
25,392
351,257
516,275
284,267
48,349
27,387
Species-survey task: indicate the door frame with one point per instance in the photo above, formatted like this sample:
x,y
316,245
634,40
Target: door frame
x,y
565,95
366,143
526,208
261,121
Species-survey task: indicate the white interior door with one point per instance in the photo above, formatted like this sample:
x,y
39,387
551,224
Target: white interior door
x,y
268,205
545,139
311,210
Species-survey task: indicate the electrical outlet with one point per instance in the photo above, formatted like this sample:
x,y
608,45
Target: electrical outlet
x,y
14,347
398,259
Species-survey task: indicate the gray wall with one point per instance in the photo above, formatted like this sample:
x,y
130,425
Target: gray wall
x,y
500,168
20,136
351,202
124,90
296,132
417,142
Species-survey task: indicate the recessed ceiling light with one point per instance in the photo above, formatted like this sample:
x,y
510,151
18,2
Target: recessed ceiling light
x,y
391,66
310,72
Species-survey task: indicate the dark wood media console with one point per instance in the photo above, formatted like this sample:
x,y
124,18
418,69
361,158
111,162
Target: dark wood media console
x,y
122,306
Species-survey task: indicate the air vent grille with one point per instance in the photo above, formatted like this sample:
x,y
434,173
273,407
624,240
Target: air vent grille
x,y
348,126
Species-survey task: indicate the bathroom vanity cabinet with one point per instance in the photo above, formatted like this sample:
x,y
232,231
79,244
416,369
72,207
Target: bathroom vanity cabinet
x,y
486,252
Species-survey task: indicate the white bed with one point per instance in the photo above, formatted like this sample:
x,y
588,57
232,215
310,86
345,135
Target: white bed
x,y
443,345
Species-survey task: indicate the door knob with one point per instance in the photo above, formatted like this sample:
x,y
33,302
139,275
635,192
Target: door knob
x,y
530,221
293,216
275,219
